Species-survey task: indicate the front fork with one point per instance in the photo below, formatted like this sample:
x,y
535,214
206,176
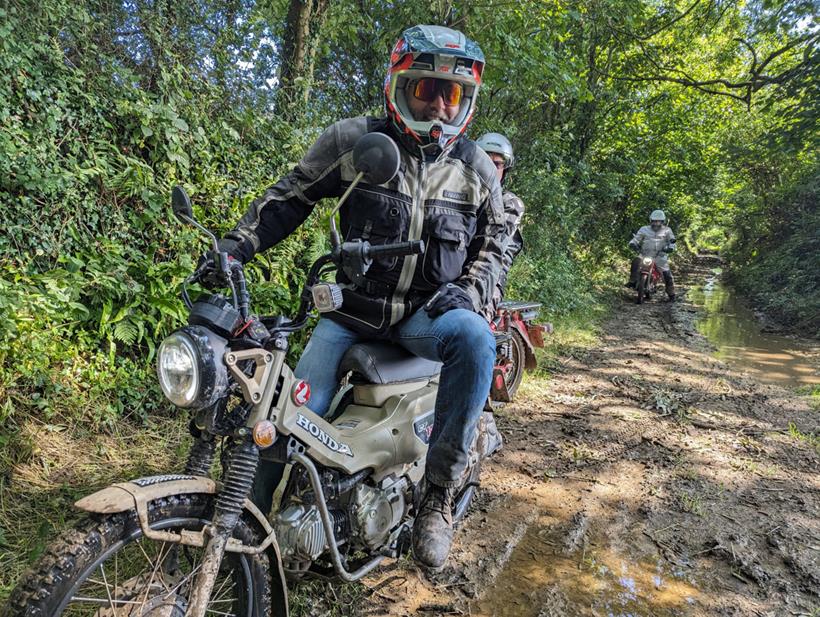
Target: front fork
x,y
236,486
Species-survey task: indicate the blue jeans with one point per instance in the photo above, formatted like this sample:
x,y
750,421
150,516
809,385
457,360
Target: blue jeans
x,y
460,339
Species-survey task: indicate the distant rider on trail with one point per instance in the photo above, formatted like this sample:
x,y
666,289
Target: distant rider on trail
x,y
655,240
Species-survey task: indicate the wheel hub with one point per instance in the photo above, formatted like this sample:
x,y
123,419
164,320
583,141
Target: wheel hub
x,y
136,599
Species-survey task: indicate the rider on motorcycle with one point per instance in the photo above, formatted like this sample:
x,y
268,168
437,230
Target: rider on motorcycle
x,y
447,194
500,150
655,240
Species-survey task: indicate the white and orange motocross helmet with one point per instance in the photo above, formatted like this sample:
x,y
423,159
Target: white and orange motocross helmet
x,y
424,52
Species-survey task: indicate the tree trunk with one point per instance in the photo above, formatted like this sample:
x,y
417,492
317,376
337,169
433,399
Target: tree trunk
x,y
304,22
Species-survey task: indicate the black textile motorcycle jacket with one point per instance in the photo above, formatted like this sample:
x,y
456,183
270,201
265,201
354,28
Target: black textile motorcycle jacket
x,y
453,203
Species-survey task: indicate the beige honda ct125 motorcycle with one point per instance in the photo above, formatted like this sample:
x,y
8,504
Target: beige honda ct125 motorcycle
x,y
185,545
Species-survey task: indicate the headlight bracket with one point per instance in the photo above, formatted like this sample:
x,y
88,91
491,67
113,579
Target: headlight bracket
x,y
257,389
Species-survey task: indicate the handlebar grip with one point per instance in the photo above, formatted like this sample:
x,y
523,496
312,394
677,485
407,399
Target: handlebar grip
x,y
399,249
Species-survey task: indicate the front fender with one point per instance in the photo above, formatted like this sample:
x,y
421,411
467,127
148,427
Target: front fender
x,y
124,496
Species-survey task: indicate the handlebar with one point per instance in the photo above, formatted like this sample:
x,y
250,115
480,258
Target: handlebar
x,y
229,272
360,253
233,275
399,249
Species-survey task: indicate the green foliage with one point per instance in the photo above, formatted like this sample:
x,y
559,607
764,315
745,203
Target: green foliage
x,y
775,253
90,261
616,107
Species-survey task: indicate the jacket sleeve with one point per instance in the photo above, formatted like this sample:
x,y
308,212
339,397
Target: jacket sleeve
x,y
285,205
638,238
485,253
513,212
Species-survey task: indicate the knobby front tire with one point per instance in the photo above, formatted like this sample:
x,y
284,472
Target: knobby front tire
x,y
105,567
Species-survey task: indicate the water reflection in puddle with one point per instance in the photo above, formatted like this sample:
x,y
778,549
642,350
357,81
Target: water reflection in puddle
x,y
540,580
735,331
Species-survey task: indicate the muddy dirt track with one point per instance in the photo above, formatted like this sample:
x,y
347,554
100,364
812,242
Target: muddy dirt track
x,y
645,479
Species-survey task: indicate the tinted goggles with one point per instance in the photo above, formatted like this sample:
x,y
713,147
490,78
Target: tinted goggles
x,y
428,88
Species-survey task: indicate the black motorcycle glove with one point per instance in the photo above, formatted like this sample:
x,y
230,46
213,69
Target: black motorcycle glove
x,y
634,246
669,249
207,268
447,298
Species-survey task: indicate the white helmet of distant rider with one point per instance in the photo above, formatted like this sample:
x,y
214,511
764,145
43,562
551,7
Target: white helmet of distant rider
x,y
499,149
431,86
657,219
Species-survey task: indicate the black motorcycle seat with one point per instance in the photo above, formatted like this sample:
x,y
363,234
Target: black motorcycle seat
x,y
384,363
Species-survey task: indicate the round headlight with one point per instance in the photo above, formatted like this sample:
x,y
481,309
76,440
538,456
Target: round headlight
x,y
647,261
178,370
191,367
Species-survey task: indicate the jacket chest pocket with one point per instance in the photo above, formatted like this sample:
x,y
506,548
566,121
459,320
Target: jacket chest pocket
x,y
378,223
447,237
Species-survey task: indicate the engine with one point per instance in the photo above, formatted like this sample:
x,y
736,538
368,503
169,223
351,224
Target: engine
x,y
376,512
300,533
367,516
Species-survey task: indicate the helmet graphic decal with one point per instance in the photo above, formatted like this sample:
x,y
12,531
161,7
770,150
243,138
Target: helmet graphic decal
x,y
432,52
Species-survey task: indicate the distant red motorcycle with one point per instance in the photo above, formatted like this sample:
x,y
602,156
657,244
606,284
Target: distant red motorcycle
x,y
648,278
516,335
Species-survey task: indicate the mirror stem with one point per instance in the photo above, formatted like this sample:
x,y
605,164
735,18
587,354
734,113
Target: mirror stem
x,y
191,221
334,234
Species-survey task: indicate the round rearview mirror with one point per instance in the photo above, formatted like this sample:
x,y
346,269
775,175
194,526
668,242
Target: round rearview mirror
x,y
377,157
181,203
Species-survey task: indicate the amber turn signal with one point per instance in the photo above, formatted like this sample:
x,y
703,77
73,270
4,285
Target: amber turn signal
x,y
264,433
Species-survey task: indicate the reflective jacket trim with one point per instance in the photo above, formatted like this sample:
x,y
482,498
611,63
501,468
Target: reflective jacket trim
x,y
450,205
409,266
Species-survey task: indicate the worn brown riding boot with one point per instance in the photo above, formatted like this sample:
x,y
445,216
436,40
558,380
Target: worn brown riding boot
x,y
433,527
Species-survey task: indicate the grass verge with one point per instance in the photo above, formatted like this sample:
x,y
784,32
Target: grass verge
x,y
48,465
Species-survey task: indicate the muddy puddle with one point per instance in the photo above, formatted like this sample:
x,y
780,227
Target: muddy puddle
x,y
542,579
736,333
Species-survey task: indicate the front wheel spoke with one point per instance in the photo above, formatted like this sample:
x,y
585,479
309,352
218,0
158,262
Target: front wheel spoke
x,y
161,562
144,554
182,582
104,601
153,564
155,568
107,589
217,594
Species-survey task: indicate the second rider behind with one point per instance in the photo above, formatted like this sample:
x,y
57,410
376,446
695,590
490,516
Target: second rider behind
x,y
447,194
500,151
